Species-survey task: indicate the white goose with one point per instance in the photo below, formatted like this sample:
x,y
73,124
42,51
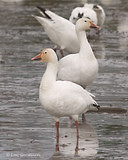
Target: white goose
x,y
82,67
80,12
61,98
99,11
93,11
59,30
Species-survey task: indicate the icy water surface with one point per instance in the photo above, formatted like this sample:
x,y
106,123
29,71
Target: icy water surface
x,y
26,131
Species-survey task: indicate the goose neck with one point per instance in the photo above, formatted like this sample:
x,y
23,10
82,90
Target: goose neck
x,y
85,48
49,77
82,37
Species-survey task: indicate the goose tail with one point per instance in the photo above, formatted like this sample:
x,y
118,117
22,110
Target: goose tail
x,y
43,11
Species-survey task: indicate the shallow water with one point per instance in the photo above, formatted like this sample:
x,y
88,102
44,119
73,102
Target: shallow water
x,y
26,130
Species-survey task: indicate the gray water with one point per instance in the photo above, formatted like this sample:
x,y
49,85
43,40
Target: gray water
x,y
26,131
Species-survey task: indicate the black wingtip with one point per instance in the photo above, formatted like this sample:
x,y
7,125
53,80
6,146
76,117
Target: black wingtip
x,y
44,11
80,15
41,9
97,106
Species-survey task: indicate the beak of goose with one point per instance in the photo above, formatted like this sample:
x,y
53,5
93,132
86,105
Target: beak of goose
x,y
93,25
37,58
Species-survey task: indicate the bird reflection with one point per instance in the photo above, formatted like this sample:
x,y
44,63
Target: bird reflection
x,y
88,142
98,48
123,33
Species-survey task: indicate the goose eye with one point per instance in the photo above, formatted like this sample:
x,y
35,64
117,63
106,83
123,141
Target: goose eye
x,y
45,52
85,21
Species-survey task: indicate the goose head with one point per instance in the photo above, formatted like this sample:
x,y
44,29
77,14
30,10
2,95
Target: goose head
x,y
84,24
97,8
100,14
47,55
80,12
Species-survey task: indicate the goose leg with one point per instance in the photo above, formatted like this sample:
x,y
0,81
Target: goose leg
x,y
98,32
61,52
57,136
77,142
70,118
83,118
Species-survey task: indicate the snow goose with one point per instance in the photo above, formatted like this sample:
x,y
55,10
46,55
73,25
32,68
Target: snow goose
x,y
80,12
59,30
99,11
93,11
61,98
82,67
